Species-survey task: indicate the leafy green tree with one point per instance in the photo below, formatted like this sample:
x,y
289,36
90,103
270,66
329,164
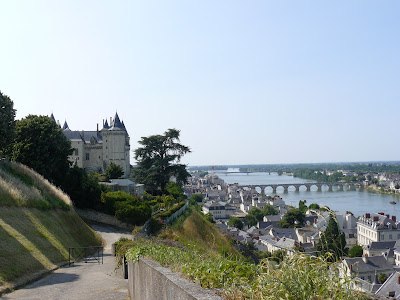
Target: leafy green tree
x,y
114,171
235,222
332,241
302,206
40,144
356,251
158,160
203,174
269,210
313,206
7,122
175,190
382,277
197,197
84,189
293,218
256,212
251,220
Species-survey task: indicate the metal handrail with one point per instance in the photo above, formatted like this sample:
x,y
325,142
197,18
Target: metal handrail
x,y
85,253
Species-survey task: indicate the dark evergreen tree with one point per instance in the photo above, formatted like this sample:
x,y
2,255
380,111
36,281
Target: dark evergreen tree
x,y
7,123
332,241
158,160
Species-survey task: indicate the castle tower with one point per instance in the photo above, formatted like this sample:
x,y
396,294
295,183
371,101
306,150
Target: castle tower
x,y
116,145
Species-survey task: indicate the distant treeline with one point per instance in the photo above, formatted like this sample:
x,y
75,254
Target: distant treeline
x,y
360,168
323,177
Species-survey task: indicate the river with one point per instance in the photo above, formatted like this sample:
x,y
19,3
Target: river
x,y
357,201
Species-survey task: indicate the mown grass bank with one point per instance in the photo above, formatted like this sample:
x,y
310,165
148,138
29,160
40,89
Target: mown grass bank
x,y
37,225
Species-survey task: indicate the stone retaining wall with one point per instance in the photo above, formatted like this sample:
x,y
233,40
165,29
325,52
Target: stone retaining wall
x,y
148,280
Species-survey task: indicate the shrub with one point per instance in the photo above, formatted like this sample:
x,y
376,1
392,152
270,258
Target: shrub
x,y
109,199
171,211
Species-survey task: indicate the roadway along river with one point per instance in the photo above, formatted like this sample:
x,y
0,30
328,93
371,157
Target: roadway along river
x,y
358,202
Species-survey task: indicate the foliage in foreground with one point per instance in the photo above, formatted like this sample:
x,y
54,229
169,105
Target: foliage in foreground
x,y
298,277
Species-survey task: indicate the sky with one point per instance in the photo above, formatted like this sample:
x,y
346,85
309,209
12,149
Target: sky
x,y
246,82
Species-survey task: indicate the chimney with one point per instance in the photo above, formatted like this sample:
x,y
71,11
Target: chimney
x,y
367,215
381,213
351,268
315,220
394,218
388,216
365,257
97,128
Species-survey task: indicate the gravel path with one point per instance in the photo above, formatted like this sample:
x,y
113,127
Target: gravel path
x,y
88,281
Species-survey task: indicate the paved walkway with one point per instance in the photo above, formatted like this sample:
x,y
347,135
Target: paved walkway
x,y
88,281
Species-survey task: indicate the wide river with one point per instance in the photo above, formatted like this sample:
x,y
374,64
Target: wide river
x,y
357,201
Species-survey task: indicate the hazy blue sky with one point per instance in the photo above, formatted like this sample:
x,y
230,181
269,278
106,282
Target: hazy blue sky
x,y
244,81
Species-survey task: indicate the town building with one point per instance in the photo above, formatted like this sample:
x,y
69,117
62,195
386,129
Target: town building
x,y
95,150
376,228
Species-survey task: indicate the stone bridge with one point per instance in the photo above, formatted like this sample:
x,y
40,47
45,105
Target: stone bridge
x,y
308,185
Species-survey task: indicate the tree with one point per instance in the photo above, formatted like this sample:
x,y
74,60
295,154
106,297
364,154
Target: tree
x,y
356,251
269,210
382,277
293,218
251,220
302,206
313,206
175,190
197,197
114,171
158,160
332,241
7,122
235,222
40,144
257,213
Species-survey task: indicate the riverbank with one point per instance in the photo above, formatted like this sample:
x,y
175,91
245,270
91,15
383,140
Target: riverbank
x,y
379,190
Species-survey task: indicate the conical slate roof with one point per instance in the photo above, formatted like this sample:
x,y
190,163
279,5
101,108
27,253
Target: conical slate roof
x,y
52,117
117,125
65,127
106,125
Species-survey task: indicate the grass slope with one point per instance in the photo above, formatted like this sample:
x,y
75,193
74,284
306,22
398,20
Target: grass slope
x,y
37,225
195,230
208,258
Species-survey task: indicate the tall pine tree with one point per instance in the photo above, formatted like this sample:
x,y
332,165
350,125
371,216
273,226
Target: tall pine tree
x,y
332,241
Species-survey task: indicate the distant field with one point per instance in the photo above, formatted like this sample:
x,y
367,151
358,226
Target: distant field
x,y
37,225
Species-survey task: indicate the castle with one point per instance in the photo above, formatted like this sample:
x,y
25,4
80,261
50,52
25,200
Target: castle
x,y
94,151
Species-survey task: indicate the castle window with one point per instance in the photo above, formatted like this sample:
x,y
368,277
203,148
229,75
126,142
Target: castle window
x,y
87,156
76,151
